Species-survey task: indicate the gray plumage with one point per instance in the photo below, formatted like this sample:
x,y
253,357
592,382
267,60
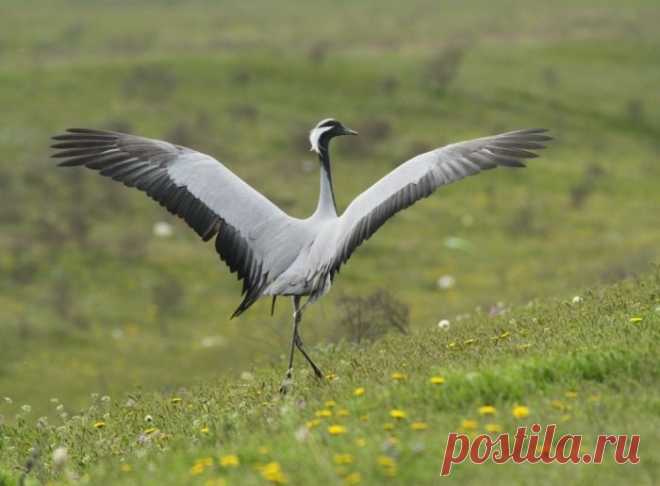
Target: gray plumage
x,y
272,252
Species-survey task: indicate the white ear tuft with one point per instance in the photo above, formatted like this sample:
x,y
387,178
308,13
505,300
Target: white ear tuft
x,y
315,137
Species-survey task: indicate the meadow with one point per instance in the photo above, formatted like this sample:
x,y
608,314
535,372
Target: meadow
x,y
94,299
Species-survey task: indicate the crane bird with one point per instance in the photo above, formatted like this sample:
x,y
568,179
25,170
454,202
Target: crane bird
x,y
273,253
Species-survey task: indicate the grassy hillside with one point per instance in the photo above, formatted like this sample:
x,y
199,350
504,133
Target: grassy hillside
x,y
384,411
91,300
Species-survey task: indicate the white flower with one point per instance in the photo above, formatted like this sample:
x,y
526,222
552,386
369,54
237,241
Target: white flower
x,y
213,341
26,408
162,229
301,433
60,457
577,299
247,376
446,282
443,324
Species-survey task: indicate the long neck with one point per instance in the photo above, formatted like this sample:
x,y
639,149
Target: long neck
x,y
326,205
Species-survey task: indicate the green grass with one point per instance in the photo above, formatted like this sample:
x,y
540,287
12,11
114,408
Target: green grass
x,y
86,288
590,367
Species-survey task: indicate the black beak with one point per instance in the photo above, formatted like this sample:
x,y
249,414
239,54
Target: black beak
x,y
348,131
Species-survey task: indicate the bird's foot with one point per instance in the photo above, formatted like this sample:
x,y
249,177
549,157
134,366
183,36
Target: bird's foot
x,y
287,383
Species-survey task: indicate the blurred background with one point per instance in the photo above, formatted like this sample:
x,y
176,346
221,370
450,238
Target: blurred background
x,y
101,290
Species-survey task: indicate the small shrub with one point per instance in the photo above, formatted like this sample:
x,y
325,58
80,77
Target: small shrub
x,y
372,316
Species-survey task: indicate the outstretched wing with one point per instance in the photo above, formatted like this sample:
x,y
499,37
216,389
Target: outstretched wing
x,y
199,189
423,174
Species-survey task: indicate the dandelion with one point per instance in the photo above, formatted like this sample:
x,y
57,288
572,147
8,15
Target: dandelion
x,y
397,376
353,479
336,430
487,410
229,461
197,469
358,392
398,414
520,411
99,424
437,380
331,377
312,424
343,459
469,424
176,400
323,413
204,430
418,426
388,464
330,403
60,457
273,472
343,413
443,324
493,428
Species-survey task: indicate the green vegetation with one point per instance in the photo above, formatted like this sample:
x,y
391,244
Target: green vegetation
x,y
91,300
589,366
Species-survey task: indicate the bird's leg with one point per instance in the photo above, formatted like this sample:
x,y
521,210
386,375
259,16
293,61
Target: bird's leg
x,y
299,345
288,377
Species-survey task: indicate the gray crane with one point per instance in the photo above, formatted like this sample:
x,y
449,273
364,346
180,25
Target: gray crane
x,y
273,253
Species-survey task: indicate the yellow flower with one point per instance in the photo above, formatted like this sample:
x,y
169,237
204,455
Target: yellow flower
x,y
469,341
571,394
398,414
493,428
388,426
323,413
206,461
437,380
397,376
336,430
126,468
388,464
100,424
358,392
520,411
216,482
342,459
360,442
263,450
353,479
343,413
312,424
331,377
504,335
230,460
469,424
558,404
330,403
197,469
487,410
204,430
175,400
273,473
419,426
635,320
451,345
150,430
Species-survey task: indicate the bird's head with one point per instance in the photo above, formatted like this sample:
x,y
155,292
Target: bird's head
x,y
324,131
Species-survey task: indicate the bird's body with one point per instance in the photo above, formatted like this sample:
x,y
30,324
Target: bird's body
x,y
273,253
